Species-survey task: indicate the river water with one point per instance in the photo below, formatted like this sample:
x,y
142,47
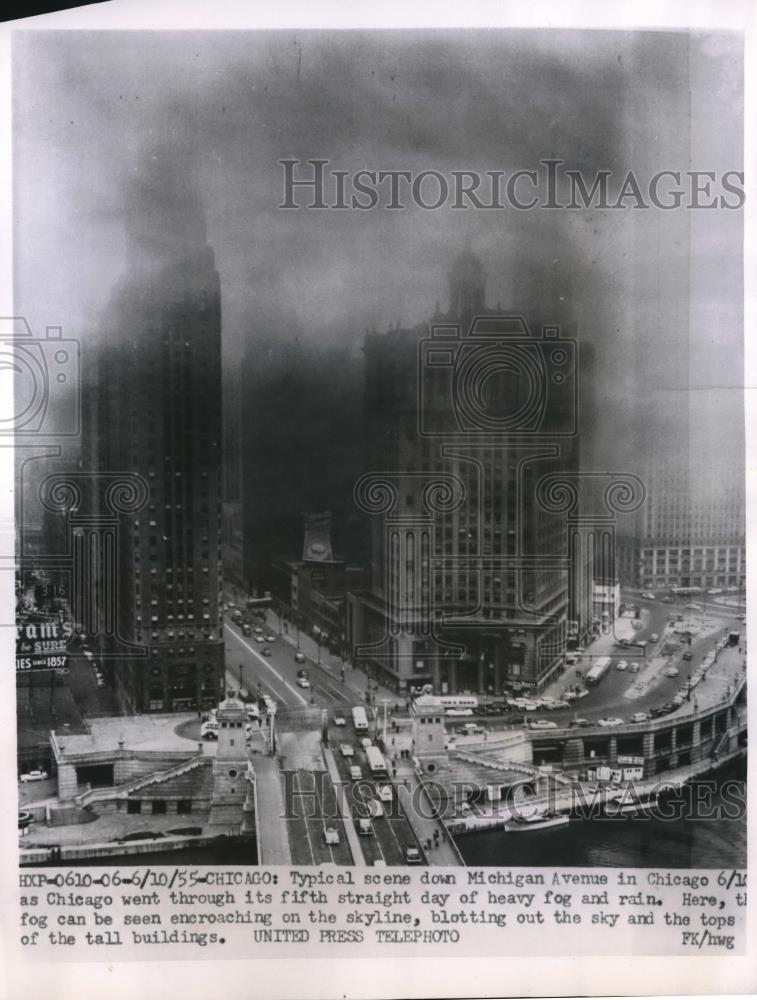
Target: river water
x,y
687,841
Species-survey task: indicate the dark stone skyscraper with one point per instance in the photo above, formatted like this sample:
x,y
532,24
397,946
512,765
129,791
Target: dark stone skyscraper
x,y
469,578
161,376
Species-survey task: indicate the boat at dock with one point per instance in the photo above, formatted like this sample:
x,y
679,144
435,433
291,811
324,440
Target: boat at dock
x,y
536,821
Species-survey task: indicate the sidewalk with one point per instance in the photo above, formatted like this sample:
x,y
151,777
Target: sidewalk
x,y
417,809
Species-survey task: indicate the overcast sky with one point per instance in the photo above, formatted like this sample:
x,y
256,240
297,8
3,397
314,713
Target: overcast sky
x,y
657,293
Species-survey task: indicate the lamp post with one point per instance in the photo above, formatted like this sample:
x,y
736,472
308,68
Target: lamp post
x,y
385,702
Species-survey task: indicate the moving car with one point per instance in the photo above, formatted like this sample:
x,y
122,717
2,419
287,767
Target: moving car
x,y
581,723
365,827
667,600
355,773
639,717
385,793
339,720
688,655
543,724
365,742
331,835
303,680
299,657
471,729
347,750
634,668
33,776
671,672
258,630
609,722
259,637
412,855
693,607
270,638
621,665
648,596
246,630
654,637
265,651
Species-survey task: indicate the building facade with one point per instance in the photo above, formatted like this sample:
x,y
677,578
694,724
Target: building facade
x,y
690,533
158,418
469,573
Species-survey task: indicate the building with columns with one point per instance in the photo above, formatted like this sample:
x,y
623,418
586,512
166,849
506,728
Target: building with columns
x,y
472,579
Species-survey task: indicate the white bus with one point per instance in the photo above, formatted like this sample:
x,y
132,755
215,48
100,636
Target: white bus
x,y
598,670
457,703
376,761
359,719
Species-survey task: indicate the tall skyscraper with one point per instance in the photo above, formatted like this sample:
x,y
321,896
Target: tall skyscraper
x,y
159,384
468,591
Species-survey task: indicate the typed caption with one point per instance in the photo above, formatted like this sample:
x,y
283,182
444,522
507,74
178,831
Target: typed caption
x,y
181,912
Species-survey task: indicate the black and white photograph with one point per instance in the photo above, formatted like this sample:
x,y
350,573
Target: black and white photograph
x,y
378,433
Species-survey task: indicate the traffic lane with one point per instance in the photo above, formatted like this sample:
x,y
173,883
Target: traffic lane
x,y
383,844
321,690
310,810
392,832
256,667
326,681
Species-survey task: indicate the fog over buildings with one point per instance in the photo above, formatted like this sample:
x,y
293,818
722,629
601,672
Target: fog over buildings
x,y
191,128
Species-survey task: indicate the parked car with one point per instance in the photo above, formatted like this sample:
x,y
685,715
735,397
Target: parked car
x,y
634,668
270,638
38,775
246,630
610,722
654,637
259,637
347,750
688,655
621,665
365,742
339,720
